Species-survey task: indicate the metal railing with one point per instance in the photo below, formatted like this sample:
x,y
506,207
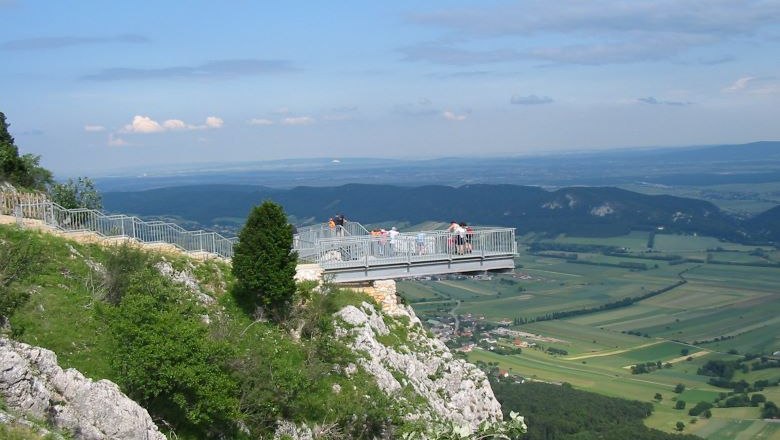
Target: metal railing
x,y
412,247
333,248
306,239
123,226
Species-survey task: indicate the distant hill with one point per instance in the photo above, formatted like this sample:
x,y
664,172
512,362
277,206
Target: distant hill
x,y
589,211
766,226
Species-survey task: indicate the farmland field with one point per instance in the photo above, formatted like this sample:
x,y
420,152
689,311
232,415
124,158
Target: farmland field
x,y
718,310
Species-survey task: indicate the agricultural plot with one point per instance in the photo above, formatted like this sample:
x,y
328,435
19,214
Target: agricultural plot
x,y
719,428
721,307
635,241
670,243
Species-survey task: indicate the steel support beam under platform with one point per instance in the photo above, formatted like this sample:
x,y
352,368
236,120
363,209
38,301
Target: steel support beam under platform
x,y
460,264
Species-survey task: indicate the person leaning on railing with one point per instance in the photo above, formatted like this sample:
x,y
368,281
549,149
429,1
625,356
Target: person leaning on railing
x,y
340,221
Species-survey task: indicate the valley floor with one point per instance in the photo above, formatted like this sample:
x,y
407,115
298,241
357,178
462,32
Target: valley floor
x,y
728,304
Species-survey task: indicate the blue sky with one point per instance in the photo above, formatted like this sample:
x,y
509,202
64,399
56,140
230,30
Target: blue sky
x,y
94,86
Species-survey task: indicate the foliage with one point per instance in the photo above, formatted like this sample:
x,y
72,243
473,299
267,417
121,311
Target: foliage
x,y
306,381
719,368
564,413
770,411
164,358
79,193
700,408
25,170
121,264
263,263
18,259
680,404
757,398
513,428
680,426
679,388
18,432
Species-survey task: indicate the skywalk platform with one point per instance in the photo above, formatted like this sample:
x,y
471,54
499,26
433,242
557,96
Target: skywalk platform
x,y
351,254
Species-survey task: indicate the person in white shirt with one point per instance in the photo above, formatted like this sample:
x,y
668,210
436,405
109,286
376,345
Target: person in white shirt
x,y
393,235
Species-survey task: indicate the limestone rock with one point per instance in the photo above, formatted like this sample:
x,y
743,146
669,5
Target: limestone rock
x,y
186,279
455,390
32,384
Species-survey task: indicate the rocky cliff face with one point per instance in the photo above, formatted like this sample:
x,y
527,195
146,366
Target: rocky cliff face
x,y
31,383
403,358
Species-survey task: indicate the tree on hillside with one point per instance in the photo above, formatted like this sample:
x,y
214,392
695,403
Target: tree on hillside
x,y
79,193
24,171
264,263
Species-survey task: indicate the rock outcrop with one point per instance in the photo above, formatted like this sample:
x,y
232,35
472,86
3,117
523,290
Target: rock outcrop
x,y
32,384
402,357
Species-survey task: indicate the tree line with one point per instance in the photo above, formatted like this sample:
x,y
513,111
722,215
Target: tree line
x,y
26,173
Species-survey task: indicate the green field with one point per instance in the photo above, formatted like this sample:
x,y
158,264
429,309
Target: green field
x,y
720,308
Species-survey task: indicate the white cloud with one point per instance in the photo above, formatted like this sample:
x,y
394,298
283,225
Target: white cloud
x,y
299,120
450,116
114,141
260,121
175,124
754,85
530,100
214,122
145,124
94,128
142,124
740,84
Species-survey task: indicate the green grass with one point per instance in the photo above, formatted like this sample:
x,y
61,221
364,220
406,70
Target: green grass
x,y
635,241
670,243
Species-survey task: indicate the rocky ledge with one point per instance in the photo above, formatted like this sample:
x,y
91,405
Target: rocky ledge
x,y
33,385
402,357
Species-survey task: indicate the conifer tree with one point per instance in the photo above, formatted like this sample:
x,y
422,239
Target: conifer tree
x,y
264,263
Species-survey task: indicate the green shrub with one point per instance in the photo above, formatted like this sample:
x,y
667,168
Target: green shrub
x,y
165,359
121,264
304,381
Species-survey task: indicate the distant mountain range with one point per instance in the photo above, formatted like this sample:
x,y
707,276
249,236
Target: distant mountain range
x,y
588,211
757,162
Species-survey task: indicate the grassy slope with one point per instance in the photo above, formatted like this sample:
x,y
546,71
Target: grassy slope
x,y
63,315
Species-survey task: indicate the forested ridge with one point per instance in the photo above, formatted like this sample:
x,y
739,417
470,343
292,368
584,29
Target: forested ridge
x,y
580,211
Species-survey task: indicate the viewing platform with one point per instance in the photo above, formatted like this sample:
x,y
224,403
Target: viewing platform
x,y
351,254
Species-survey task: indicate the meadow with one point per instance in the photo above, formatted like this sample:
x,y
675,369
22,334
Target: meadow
x,y
721,309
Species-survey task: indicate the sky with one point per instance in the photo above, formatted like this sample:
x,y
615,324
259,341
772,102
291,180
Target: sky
x,y
95,86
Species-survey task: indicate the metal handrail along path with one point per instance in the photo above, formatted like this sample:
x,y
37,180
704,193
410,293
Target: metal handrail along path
x,y
123,226
346,253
